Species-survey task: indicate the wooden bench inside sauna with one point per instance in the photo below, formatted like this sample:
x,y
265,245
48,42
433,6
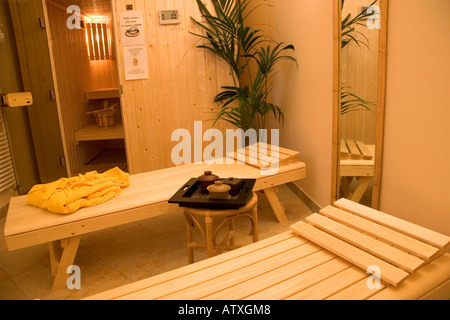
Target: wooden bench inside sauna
x,y
357,161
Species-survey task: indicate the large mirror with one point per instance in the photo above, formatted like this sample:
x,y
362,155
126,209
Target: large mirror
x,y
360,67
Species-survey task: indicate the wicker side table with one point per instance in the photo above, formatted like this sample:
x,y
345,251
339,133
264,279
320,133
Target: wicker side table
x,y
212,247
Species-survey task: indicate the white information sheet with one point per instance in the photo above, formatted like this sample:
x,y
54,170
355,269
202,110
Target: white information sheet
x,y
136,63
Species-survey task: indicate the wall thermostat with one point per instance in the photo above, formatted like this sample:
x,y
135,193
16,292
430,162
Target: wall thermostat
x,y
169,16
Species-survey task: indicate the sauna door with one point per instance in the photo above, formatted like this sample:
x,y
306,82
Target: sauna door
x,y
16,143
32,49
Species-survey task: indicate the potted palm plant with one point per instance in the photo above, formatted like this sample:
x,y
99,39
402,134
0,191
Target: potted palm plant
x,y
248,51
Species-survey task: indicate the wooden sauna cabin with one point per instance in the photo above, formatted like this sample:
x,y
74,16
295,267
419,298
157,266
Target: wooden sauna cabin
x,y
176,91
86,82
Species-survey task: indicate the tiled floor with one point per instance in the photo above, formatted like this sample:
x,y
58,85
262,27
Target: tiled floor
x,y
125,254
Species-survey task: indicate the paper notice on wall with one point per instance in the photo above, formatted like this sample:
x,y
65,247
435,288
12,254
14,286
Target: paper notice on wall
x,y
132,28
135,62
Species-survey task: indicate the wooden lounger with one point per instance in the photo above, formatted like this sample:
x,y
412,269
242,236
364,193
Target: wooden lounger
x,y
146,197
327,257
357,160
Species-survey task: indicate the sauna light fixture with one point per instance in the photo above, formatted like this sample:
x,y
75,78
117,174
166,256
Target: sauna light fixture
x,y
98,40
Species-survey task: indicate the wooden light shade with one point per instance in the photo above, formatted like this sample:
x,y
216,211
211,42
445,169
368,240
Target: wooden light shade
x,y
98,41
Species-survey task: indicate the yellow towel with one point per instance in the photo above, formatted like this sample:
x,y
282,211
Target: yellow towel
x,y
67,195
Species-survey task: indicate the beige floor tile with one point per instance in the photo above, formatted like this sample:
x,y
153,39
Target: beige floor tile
x,y
9,289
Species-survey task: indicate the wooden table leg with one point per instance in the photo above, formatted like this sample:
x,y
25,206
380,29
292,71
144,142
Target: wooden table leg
x,y
59,269
276,205
345,185
190,248
209,237
231,230
363,184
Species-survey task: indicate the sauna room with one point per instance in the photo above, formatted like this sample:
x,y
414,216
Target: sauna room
x,y
224,150
89,100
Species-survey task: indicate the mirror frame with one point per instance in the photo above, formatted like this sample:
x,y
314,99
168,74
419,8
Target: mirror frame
x,y
382,58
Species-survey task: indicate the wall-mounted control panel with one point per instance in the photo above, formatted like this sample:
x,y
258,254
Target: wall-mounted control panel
x,y
169,16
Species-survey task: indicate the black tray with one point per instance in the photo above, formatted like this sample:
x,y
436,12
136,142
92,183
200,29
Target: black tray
x,y
190,196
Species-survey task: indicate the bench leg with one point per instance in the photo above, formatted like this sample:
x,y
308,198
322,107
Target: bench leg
x,y
276,205
363,184
59,266
345,185
54,252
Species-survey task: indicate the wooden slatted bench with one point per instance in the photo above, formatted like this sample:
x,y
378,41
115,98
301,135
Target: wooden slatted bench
x,y
325,257
356,161
146,197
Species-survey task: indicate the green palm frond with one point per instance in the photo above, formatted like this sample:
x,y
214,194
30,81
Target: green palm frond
x,y
224,33
351,102
348,27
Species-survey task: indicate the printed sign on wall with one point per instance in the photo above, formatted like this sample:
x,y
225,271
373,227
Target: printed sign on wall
x,y
136,64
133,41
132,28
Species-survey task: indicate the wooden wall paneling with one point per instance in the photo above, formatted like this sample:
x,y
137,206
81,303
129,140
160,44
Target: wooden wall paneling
x,y
200,56
134,115
89,7
224,78
194,65
172,112
95,81
152,112
213,75
183,38
189,59
185,50
189,51
182,83
203,109
104,74
179,35
155,111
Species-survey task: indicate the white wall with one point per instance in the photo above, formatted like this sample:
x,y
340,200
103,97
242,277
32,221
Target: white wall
x,y
305,94
416,175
